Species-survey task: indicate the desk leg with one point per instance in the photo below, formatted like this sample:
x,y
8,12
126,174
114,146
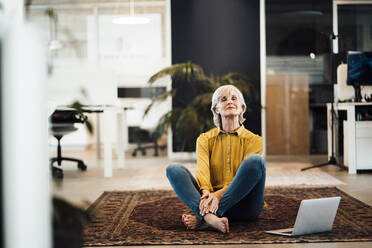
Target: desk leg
x,y
120,139
108,118
98,135
351,140
125,128
346,143
329,130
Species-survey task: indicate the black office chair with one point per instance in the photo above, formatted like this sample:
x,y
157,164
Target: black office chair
x,y
144,136
62,122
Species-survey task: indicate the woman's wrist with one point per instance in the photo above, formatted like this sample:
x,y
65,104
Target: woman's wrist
x,y
218,195
205,192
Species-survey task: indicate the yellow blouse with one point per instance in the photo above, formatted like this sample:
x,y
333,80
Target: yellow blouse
x,y
219,155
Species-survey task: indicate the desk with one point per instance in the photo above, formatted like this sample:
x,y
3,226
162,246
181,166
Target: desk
x,y
349,132
98,110
109,113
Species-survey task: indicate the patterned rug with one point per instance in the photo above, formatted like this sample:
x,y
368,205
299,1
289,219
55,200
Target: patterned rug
x,y
153,217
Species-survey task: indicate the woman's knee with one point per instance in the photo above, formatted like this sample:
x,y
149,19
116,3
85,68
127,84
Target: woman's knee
x,y
174,170
255,162
248,214
254,214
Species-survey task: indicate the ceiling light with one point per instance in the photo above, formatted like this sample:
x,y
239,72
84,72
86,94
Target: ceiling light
x,y
303,13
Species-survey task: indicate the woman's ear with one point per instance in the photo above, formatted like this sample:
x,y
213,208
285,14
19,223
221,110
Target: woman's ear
x,y
215,109
243,109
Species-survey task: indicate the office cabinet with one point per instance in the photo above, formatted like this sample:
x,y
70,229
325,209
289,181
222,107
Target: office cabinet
x,y
363,144
363,130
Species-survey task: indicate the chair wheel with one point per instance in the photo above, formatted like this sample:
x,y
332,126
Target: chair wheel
x,y
82,166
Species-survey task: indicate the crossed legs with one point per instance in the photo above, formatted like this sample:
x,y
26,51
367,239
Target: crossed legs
x,y
243,200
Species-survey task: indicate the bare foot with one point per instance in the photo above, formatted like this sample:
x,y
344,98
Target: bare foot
x,y
191,221
221,224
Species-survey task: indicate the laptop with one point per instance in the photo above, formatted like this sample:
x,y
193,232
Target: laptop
x,y
314,216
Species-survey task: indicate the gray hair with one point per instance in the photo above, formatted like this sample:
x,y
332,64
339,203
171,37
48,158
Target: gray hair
x,y
216,97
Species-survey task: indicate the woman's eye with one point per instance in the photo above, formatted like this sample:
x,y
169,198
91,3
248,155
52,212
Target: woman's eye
x,y
223,99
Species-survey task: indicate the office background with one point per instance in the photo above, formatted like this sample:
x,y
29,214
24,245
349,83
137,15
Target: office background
x,y
89,59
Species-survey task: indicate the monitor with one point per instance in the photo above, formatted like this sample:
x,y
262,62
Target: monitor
x,y
359,71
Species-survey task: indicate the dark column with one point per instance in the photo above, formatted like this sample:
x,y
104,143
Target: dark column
x,y
222,36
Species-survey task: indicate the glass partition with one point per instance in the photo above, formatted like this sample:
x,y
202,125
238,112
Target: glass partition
x,y
355,27
92,56
298,75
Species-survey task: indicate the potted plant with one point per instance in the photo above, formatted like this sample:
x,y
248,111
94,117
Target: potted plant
x,y
191,94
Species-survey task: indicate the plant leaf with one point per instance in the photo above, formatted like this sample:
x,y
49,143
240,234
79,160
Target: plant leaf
x,y
160,98
182,70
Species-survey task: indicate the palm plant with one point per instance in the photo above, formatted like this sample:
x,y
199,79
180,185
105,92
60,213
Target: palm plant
x,y
192,92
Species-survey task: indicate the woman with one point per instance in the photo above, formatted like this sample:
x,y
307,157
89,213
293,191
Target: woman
x,y
230,176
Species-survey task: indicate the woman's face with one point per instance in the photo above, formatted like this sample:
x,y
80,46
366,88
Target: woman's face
x,y
228,105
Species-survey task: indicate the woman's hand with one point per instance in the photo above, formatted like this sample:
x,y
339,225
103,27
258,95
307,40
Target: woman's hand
x,y
213,202
205,194
208,203
204,208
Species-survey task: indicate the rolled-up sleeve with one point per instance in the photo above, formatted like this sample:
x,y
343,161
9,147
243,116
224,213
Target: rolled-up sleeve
x,y
203,175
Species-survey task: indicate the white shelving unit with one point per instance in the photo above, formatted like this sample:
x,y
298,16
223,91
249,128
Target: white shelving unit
x,y
363,130
363,144
357,137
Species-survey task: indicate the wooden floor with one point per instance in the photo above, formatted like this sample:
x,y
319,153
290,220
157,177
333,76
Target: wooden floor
x,y
82,188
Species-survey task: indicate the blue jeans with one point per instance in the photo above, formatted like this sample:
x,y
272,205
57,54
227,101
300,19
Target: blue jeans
x,y
243,200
